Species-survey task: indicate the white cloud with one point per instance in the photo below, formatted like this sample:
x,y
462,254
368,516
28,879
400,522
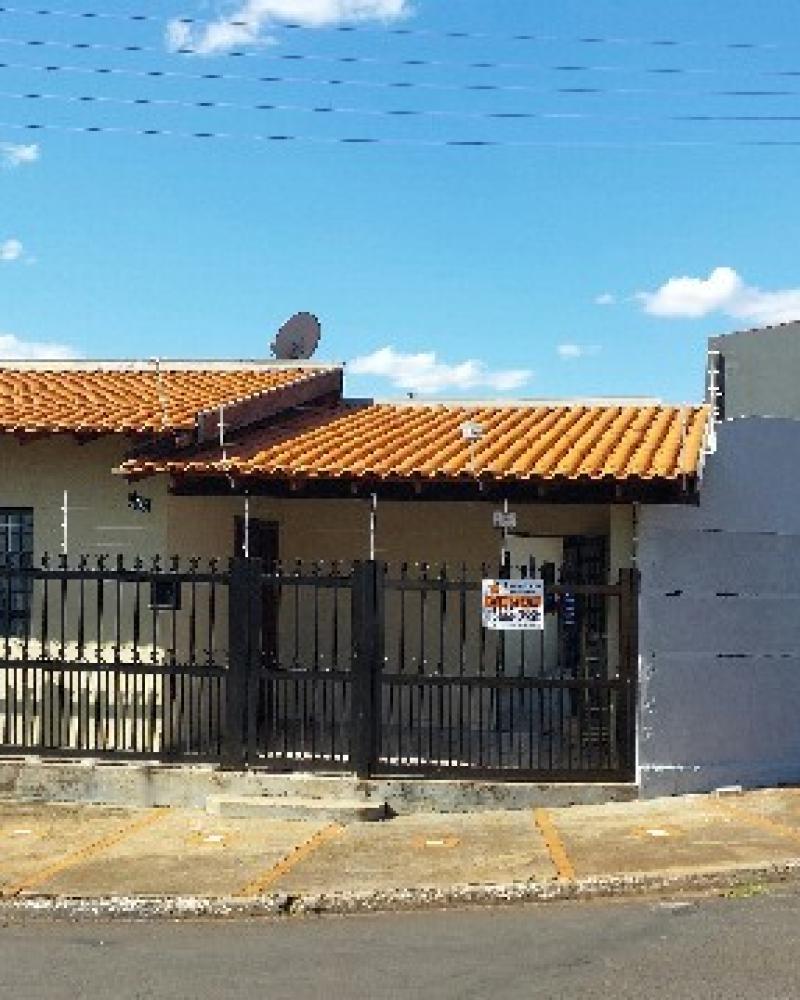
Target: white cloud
x,y
723,291
426,374
11,250
606,299
14,349
693,297
17,155
218,36
572,352
250,22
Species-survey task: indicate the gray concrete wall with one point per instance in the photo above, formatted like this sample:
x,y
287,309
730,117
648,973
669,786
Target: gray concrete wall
x,y
761,369
720,620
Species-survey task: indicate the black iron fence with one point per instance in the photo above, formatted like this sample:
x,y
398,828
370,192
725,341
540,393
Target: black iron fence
x,y
333,666
103,659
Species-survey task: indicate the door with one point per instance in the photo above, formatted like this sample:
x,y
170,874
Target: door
x,y
529,553
263,545
536,653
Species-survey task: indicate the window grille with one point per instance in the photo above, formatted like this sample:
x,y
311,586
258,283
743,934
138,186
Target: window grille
x,y
16,552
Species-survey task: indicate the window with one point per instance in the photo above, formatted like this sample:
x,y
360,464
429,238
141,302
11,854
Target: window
x,y
165,595
16,552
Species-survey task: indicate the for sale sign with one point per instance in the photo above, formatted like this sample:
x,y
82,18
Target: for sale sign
x,y
513,604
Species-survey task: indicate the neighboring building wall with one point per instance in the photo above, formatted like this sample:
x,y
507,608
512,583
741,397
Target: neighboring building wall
x,y
720,629
759,370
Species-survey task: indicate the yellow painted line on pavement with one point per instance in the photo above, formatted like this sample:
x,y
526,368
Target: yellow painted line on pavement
x,y
299,853
82,854
757,820
554,844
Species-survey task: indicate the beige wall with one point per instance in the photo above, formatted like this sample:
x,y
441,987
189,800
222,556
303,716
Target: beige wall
x,y
422,531
100,522
411,532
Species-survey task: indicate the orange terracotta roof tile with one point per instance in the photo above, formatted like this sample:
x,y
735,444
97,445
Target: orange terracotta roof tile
x,y
132,398
396,442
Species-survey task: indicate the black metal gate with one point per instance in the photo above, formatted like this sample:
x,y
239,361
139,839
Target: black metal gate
x,y
351,667
455,697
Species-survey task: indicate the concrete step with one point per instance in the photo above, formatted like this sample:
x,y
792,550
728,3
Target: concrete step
x,y
337,810
309,786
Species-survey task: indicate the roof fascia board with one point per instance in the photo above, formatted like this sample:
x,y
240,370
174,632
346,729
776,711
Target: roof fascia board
x,y
658,491
269,403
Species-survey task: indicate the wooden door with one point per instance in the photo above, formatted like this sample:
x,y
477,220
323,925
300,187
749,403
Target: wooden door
x,y
263,544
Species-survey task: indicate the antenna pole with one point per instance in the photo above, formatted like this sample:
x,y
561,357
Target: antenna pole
x,y
65,524
222,432
373,524
505,553
162,396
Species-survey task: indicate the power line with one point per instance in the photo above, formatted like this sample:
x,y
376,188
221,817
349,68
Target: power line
x,y
273,56
364,140
452,34
396,85
329,109
203,105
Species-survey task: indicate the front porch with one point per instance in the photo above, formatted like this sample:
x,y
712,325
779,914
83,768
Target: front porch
x,y
336,663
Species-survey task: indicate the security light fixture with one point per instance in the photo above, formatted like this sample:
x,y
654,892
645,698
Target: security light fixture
x,y
504,519
139,504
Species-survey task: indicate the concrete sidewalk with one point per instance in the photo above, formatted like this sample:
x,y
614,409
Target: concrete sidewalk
x,y
53,857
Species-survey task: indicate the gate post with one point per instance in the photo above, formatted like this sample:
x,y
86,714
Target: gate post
x,y
244,647
629,667
367,661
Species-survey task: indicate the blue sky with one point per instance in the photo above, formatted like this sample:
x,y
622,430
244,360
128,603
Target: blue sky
x,y
584,255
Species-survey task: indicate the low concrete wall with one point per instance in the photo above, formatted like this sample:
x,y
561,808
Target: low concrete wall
x,y
720,621
148,785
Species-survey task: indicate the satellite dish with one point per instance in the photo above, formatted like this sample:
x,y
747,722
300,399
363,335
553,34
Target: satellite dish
x,y
298,338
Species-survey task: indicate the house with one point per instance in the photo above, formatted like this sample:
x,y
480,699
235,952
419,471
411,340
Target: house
x,y
347,634
66,426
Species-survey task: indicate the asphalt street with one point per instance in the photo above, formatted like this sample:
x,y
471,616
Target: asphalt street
x,y
744,945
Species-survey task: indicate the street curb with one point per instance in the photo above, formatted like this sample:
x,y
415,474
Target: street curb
x,y
386,900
